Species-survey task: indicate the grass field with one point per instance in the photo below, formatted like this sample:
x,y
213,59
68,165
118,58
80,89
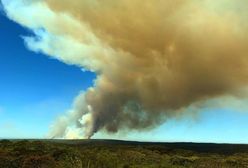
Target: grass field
x,y
119,154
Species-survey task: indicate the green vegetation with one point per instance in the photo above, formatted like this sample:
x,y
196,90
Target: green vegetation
x,y
118,154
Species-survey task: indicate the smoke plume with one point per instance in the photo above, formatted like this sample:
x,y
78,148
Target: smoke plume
x,y
152,58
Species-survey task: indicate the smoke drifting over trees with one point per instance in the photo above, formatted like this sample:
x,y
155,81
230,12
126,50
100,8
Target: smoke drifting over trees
x,y
153,58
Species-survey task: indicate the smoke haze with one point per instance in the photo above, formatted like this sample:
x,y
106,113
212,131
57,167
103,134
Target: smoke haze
x,y
153,58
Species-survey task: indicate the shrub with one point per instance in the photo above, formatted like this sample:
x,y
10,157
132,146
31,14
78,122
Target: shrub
x,y
67,158
39,162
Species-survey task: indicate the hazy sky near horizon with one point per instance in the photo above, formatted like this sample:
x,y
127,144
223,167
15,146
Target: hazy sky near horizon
x,y
35,90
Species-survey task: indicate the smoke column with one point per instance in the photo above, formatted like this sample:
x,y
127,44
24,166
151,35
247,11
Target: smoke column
x,y
153,58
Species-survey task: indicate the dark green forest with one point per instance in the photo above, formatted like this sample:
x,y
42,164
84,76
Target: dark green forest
x,y
119,154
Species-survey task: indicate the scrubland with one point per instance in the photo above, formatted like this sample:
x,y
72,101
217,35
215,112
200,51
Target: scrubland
x,y
119,154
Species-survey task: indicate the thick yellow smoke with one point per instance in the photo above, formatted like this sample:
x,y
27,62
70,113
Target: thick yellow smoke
x,y
152,57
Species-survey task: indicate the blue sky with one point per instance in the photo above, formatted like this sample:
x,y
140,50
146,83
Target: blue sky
x,y
35,89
